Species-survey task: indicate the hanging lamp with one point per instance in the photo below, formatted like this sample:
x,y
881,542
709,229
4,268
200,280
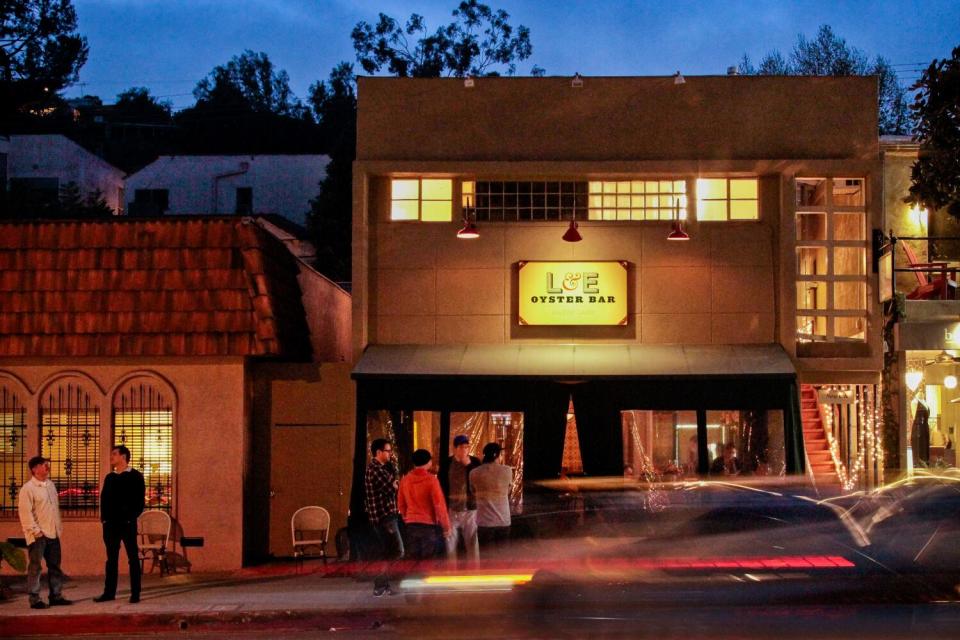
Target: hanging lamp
x,y
677,233
572,235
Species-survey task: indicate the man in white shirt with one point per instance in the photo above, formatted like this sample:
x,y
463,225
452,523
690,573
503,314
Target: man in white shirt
x,y
39,512
491,483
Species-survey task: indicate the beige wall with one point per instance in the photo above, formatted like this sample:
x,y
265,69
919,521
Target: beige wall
x,y
210,435
708,117
328,309
306,415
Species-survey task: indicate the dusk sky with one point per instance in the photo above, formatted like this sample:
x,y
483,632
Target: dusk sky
x,y
169,45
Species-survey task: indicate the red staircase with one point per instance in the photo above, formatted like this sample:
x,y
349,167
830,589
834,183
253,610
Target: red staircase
x,y
815,439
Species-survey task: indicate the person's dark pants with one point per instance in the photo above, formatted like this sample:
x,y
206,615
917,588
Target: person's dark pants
x,y
47,550
388,531
423,541
113,534
492,537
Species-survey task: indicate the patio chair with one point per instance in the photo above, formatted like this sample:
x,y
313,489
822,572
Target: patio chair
x,y
942,286
310,528
153,532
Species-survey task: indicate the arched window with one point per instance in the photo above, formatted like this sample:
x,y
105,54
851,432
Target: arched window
x,y
143,422
70,438
13,464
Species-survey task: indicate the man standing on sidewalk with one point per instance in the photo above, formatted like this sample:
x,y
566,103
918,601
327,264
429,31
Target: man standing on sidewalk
x,y
380,498
423,508
491,483
121,503
39,511
461,501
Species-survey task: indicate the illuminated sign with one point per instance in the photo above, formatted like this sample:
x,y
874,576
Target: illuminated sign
x,y
573,293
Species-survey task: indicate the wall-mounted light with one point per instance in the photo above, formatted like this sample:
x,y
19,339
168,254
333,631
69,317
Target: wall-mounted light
x,y
469,230
678,78
913,379
572,235
677,232
950,382
577,82
920,216
468,82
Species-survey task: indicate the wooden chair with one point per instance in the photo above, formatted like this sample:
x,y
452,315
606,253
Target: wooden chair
x,y
310,527
153,531
942,286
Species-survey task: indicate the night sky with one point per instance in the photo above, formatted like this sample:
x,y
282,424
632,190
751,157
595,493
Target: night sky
x,y
169,45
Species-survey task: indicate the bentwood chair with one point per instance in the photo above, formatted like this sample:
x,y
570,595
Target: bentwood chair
x,y
310,528
153,532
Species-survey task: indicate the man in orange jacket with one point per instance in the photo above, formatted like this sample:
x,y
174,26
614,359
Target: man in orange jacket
x,y
421,504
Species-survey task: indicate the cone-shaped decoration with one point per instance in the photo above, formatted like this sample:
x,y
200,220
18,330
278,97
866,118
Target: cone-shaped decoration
x,y
469,231
572,235
678,233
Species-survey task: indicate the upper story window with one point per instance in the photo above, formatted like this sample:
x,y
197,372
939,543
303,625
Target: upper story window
x,y
510,200
425,199
727,199
638,200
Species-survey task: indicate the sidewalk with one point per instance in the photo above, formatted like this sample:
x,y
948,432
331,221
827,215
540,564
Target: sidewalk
x,y
275,596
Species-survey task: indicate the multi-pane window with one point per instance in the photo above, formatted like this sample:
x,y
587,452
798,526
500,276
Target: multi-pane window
x,y
506,201
425,199
70,438
831,259
143,422
638,199
13,466
727,199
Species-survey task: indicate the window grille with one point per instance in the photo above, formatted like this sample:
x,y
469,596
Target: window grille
x,y
70,438
498,201
143,422
13,464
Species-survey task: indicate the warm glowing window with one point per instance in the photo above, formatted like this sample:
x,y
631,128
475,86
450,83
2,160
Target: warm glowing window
x,y
426,199
638,199
727,199
70,438
143,422
13,464
832,254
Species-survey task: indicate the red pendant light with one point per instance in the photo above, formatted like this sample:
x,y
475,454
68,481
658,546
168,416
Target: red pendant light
x,y
678,233
572,235
469,231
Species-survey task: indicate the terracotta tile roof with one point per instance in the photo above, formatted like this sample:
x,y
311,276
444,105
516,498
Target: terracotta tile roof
x,y
163,287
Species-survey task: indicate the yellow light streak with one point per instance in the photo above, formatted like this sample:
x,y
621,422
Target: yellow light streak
x,y
479,580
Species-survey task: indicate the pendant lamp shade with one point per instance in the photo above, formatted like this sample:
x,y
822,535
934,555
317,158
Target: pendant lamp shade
x,y
572,235
469,231
677,233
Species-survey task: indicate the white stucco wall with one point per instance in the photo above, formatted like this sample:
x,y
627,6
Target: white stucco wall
x,y
55,156
282,184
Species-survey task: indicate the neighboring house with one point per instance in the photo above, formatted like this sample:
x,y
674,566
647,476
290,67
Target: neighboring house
x,y
34,168
926,341
218,185
202,344
582,294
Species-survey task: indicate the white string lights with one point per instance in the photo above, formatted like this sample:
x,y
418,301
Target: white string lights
x,y
869,439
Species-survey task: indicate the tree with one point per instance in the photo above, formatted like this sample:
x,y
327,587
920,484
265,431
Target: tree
x,y
936,108
41,51
479,41
136,105
249,81
829,55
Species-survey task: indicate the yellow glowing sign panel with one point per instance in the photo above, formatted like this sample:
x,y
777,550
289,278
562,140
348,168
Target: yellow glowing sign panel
x,y
573,293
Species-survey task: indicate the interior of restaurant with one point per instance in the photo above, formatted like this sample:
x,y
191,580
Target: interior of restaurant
x,y
933,400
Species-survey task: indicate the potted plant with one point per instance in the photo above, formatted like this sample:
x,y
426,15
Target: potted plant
x,y
13,557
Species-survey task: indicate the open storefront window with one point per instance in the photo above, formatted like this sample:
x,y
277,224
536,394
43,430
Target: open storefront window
x,y
503,427
408,431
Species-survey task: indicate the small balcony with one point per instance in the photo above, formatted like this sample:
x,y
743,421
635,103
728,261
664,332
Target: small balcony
x,y
925,271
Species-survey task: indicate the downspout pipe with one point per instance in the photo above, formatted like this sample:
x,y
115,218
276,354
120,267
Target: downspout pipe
x,y
244,167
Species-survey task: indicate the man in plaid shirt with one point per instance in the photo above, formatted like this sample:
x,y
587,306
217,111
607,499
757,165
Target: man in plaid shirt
x,y
380,499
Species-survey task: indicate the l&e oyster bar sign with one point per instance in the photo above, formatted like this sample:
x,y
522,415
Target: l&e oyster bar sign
x,y
573,293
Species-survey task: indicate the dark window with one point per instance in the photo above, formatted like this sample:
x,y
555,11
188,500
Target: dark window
x,y
34,196
510,201
244,200
150,202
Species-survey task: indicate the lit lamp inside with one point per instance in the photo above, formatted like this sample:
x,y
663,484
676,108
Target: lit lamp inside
x,y
913,379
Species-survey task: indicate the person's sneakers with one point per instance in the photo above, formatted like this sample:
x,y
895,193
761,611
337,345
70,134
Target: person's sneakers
x,y
134,599
60,601
379,592
39,604
104,598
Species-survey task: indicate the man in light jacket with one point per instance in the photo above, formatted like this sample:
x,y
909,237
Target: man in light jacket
x,y
491,483
39,511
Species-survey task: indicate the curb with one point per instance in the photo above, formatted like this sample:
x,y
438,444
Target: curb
x,y
102,624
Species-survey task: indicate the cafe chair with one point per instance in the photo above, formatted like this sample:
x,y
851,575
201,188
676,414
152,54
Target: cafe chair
x,y
310,529
942,286
153,532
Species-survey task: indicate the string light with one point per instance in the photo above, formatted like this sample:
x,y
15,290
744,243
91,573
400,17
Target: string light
x,y
869,438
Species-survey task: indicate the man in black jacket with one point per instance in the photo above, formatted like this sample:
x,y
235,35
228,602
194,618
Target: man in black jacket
x,y
121,503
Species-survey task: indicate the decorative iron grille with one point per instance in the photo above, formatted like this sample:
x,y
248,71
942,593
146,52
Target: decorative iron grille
x,y
70,438
143,422
506,201
13,464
